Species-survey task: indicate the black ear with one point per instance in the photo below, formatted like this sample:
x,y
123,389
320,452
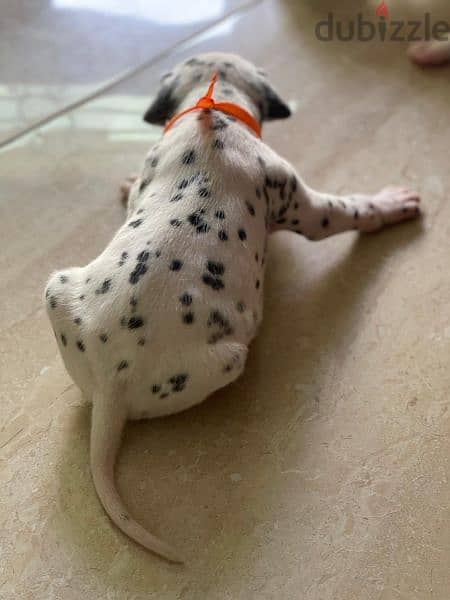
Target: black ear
x,y
275,108
163,106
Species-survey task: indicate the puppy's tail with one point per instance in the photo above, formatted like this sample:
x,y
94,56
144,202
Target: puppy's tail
x,y
108,420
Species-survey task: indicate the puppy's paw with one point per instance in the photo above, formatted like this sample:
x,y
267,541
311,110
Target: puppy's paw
x,y
390,206
125,188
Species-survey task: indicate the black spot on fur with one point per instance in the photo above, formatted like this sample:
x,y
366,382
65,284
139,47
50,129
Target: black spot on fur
x,y
214,282
81,347
203,193
178,382
217,318
135,322
53,302
250,208
122,365
188,318
223,237
197,220
64,279
144,183
242,234
220,214
141,341
175,222
215,268
188,157
135,223
77,321
222,324
156,388
325,222
186,299
154,162
218,144
103,337
63,340
177,197
139,270
176,265
240,306
143,256
219,124
105,287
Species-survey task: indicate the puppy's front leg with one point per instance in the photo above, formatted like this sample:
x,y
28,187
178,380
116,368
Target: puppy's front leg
x,y
126,187
317,215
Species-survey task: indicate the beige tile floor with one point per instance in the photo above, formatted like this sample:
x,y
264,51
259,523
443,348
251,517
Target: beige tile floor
x,y
323,473
53,54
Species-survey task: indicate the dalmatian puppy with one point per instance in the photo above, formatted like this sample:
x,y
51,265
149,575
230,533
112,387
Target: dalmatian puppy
x,y
165,315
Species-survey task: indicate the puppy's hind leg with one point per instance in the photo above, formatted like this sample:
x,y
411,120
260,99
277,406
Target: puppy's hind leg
x,y
318,215
390,206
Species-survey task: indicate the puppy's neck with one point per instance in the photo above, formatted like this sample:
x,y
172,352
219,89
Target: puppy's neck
x,y
223,92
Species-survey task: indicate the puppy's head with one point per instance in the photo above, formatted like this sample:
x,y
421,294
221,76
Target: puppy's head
x,y
236,71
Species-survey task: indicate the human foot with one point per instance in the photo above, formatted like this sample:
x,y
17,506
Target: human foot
x,y
430,53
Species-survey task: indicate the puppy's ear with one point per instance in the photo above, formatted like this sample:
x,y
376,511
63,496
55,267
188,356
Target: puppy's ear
x,y
163,106
275,108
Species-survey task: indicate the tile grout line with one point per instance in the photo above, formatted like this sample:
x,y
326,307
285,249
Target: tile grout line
x,y
127,74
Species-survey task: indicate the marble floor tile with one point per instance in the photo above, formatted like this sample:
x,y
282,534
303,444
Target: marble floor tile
x,y
323,473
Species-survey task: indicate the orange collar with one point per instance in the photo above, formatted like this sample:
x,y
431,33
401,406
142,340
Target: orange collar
x,y
228,108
